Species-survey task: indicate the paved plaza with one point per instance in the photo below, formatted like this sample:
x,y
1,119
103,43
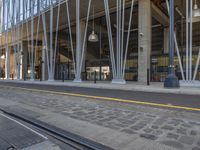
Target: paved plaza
x,y
118,125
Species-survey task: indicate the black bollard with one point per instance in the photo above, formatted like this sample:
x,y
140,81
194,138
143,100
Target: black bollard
x,y
24,76
148,76
63,76
40,72
95,79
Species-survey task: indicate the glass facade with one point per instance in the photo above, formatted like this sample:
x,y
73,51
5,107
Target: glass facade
x,y
39,38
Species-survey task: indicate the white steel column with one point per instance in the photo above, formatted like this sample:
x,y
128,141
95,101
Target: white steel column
x,y
190,49
51,49
7,63
21,59
7,66
197,66
144,36
118,56
78,43
187,40
81,36
32,77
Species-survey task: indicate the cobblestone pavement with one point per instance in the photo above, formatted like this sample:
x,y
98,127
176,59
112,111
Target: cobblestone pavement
x,y
155,125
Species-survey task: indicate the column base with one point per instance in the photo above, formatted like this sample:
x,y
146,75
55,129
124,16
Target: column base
x,y
193,83
50,80
118,81
77,81
32,80
171,81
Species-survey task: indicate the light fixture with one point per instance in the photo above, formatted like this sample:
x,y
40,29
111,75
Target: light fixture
x,y
29,71
196,10
3,56
93,37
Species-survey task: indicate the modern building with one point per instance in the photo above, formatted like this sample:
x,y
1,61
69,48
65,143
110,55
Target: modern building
x,y
116,40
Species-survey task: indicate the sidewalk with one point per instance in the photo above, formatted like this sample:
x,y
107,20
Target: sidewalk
x,y
156,87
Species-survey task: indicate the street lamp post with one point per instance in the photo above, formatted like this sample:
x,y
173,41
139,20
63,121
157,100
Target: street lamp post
x,y
171,80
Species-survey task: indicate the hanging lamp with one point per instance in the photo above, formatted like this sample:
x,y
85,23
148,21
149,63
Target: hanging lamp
x,y
196,10
93,37
3,56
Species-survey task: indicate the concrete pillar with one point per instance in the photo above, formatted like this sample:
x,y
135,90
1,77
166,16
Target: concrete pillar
x,y
7,64
82,25
24,64
1,67
166,40
44,64
145,31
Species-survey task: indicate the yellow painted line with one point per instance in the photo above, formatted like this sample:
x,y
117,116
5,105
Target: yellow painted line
x,y
107,98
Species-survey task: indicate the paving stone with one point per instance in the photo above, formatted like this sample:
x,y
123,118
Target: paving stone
x,y
186,125
112,127
112,117
129,131
99,123
148,136
178,120
174,144
125,121
159,121
121,125
157,132
196,148
129,116
148,119
182,131
172,136
154,127
167,127
100,117
136,127
195,123
152,116
193,132
198,143
104,120
148,130
174,122
139,126
187,140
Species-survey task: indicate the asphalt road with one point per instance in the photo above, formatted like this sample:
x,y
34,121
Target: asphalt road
x,y
191,101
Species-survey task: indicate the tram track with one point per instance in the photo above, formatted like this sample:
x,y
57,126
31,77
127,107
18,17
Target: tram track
x,y
67,138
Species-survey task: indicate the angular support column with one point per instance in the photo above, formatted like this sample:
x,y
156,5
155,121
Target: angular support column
x,y
7,64
78,43
144,47
44,64
24,60
166,40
